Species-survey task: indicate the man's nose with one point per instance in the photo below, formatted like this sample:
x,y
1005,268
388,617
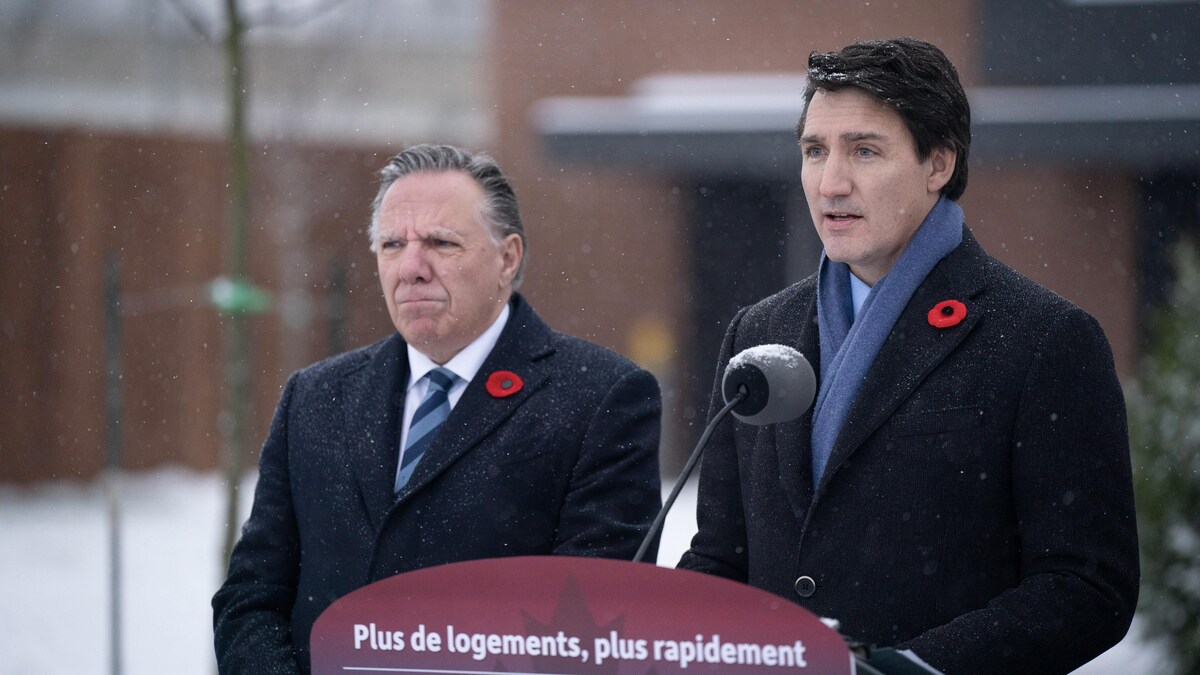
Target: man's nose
x,y
835,178
414,264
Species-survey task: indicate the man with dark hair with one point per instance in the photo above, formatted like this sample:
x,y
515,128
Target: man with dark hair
x,y
961,488
475,431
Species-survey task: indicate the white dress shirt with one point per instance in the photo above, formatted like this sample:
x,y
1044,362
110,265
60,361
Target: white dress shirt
x,y
465,365
858,293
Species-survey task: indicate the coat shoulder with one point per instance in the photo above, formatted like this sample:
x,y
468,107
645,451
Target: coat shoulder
x,y
1025,301
340,365
799,291
582,356
792,305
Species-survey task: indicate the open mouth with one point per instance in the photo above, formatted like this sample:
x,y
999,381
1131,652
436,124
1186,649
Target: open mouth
x,y
842,217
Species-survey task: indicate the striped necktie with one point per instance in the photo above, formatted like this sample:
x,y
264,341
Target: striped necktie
x,y
434,410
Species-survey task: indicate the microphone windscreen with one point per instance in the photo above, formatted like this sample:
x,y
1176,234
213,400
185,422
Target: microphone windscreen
x,y
780,384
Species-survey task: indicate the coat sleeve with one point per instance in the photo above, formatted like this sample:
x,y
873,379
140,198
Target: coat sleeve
x,y
720,545
1073,497
252,609
614,488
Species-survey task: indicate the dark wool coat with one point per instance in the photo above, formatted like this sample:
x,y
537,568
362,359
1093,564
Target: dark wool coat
x,y
566,466
978,505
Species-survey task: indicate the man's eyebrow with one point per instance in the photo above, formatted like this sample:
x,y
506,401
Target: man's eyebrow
x,y
432,233
849,137
441,233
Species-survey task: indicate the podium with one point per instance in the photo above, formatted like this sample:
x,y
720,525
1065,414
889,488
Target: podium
x,y
564,615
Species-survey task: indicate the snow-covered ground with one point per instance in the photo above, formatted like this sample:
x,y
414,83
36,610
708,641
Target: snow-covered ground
x,y
54,577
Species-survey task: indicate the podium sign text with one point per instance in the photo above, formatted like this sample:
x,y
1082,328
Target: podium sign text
x,y
561,615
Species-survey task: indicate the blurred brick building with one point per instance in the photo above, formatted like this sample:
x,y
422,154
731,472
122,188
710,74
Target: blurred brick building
x,y
651,145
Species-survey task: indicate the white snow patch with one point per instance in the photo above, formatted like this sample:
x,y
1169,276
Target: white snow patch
x,y
768,355
54,576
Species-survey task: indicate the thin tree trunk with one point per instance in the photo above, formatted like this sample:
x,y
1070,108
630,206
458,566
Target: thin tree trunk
x,y
237,371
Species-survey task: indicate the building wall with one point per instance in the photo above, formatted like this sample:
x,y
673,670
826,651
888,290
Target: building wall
x,y
1066,43
74,199
1071,230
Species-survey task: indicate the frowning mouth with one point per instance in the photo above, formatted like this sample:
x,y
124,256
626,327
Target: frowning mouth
x,y
417,301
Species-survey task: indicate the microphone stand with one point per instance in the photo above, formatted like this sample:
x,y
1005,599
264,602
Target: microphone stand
x,y
657,526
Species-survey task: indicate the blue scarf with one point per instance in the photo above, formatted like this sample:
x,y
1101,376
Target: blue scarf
x,y
849,346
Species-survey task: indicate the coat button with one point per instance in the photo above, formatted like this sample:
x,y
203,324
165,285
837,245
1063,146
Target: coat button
x,y
805,586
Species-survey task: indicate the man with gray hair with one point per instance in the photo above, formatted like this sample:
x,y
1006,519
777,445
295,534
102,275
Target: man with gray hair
x,y
475,431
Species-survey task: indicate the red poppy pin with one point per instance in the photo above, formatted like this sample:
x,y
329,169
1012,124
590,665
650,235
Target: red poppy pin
x,y
947,313
503,383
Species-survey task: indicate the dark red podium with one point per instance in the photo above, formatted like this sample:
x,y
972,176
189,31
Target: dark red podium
x,y
553,615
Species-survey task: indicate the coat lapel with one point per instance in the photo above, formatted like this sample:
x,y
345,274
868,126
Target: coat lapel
x,y
795,324
913,349
522,348
374,395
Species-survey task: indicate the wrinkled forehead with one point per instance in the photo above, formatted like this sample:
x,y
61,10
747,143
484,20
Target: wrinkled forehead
x,y
442,199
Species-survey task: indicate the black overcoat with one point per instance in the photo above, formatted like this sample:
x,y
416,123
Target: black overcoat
x,y
566,466
977,507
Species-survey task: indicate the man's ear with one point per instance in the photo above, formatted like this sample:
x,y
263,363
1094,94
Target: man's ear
x,y
942,161
511,253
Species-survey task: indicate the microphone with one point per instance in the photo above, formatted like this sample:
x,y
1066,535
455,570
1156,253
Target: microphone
x,y
766,384
779,384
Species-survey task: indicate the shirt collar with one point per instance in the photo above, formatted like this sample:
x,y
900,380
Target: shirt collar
x,y
858,292
467,362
